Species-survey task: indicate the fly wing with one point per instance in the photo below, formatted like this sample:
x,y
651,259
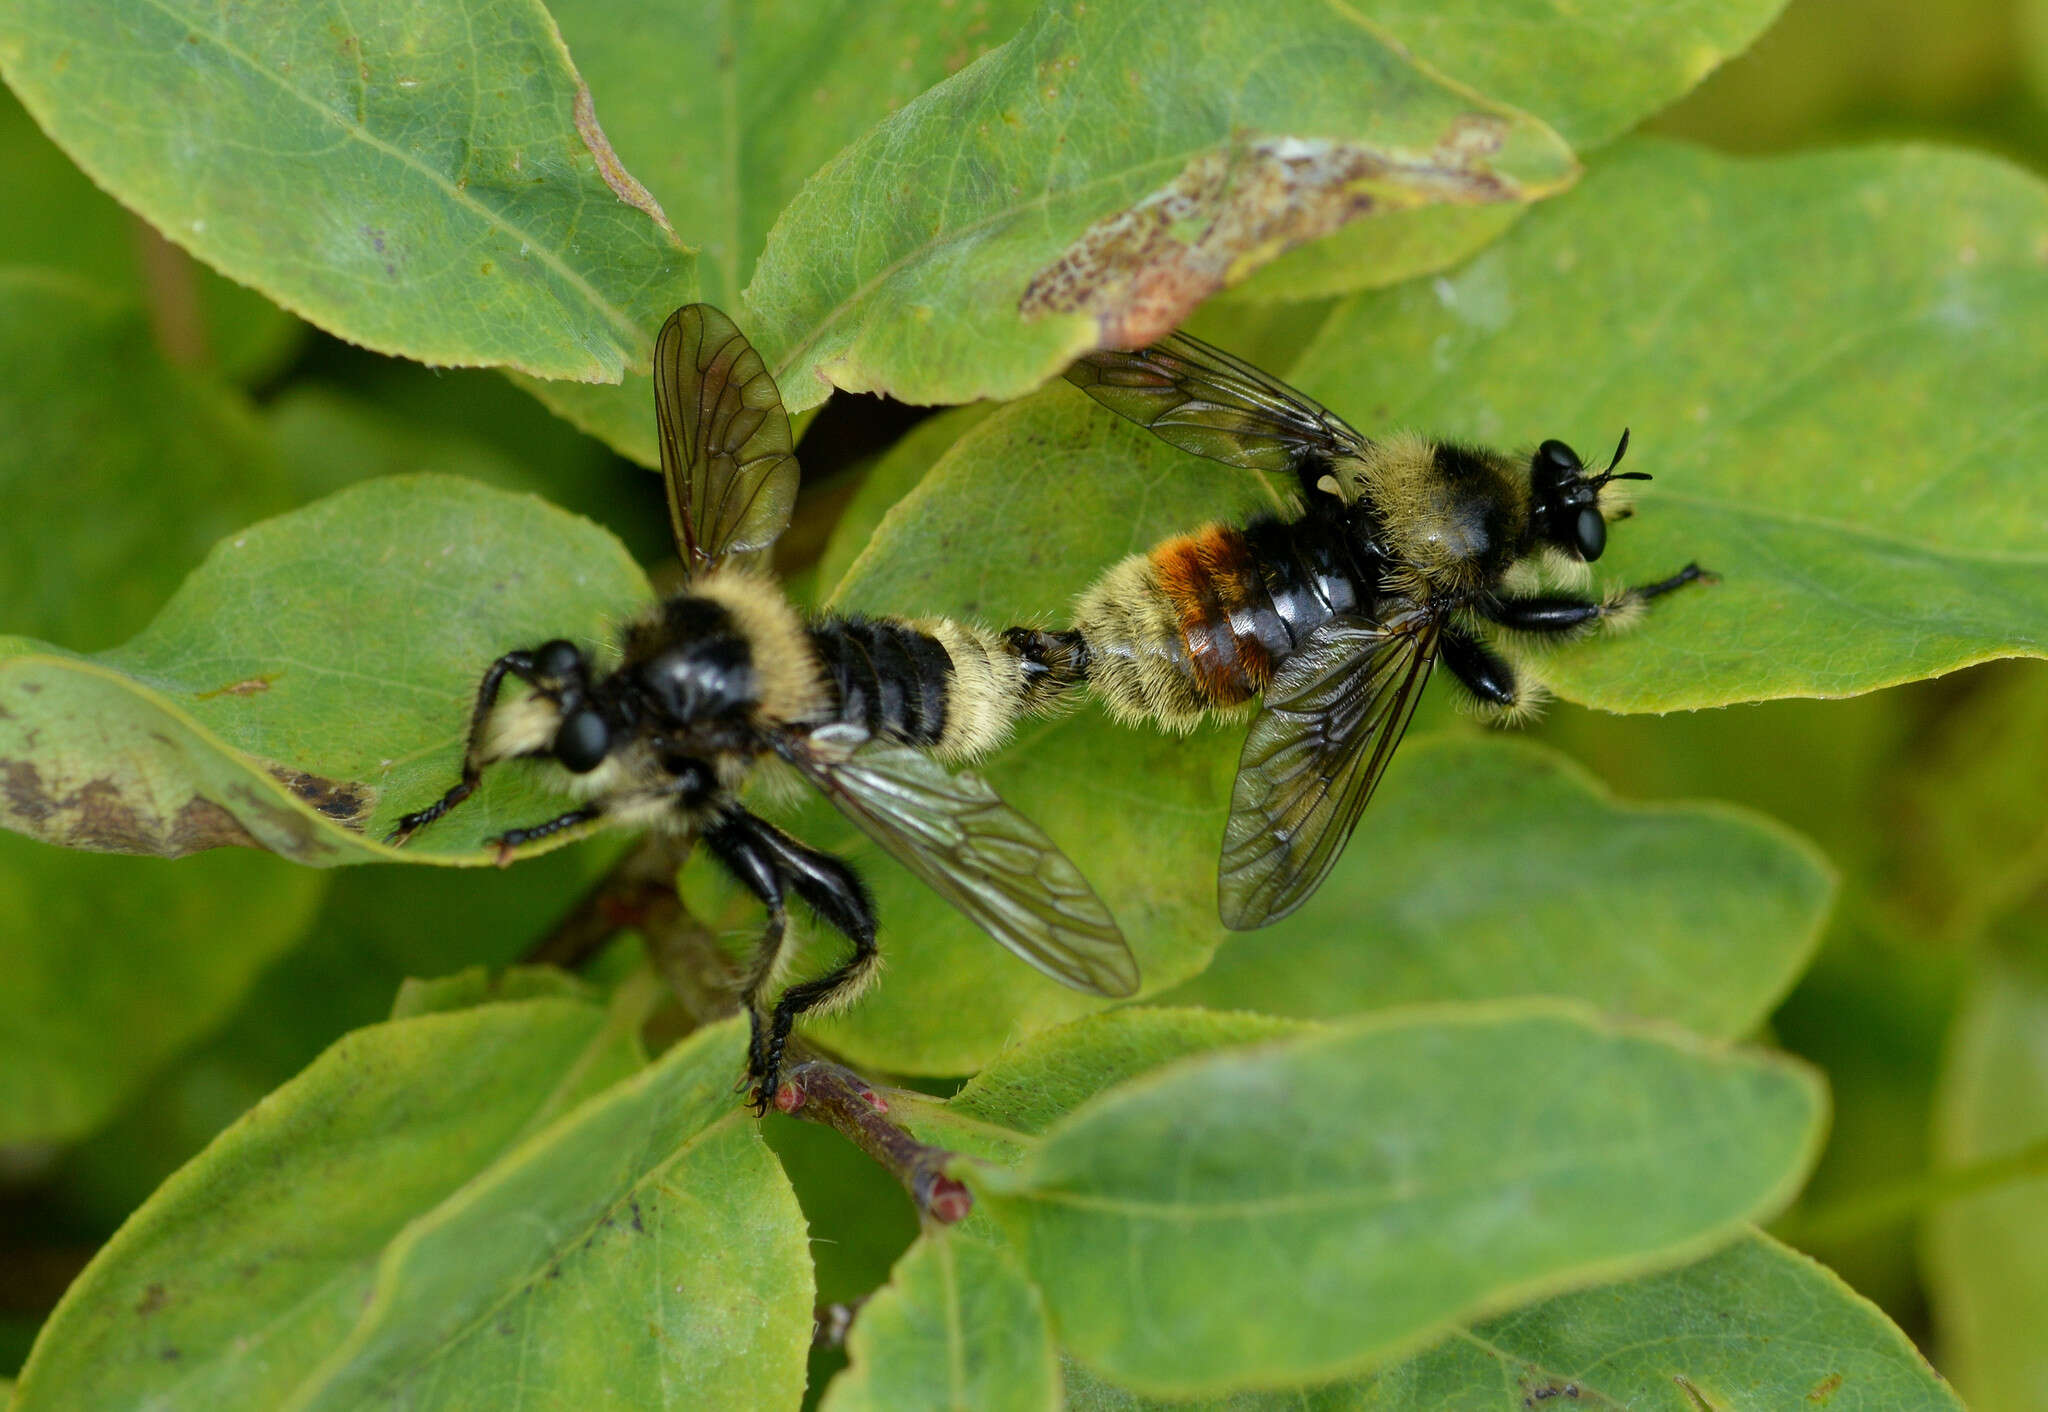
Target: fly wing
x,y
982,856
1204,400
726,453
1329,725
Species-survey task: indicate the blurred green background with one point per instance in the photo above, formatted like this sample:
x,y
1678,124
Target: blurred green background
x,y
1928,1008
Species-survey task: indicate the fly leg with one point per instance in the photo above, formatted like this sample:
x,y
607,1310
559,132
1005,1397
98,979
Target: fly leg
x,y
1483,672
518,664
769,863
1565,613
512,839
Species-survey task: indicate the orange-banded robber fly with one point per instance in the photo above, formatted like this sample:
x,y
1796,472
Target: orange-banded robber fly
x,y
711,680
1407,551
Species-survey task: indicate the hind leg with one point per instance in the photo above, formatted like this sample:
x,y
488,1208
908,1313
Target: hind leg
x,y
769,863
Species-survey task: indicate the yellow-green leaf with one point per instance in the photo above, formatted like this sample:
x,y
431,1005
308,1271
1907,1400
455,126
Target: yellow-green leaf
x,y
1753,1326
1034,205
957,1326
1366,1184
451,1204
423,179
311,682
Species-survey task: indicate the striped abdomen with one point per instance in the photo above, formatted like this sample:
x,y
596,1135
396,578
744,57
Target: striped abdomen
x,y
944,686
1200,623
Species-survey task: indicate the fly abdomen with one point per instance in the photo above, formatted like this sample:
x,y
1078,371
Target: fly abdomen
x,y
1201,622
886,677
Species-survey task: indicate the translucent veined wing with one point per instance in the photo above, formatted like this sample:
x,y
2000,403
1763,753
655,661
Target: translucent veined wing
x,y
978,853
1329,724
1204,400
726,453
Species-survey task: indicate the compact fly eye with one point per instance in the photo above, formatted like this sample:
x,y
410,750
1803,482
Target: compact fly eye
x,y
1559,459
583,741
1592,534
558,660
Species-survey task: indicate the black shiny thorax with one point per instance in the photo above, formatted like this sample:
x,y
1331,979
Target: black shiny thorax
x,y
690,663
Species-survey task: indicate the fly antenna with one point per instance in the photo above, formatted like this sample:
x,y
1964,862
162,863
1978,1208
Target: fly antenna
x,y
1620,450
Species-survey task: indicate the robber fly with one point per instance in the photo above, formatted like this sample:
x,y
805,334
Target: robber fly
x,y
707,682
1407,551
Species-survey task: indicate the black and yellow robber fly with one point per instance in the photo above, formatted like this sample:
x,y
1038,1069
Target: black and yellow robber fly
x,y
1407,551
711,680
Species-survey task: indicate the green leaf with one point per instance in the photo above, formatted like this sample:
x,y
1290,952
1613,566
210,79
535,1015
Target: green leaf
x,y
55,217
424,180
1000,1113
417,1217
115,964
1753,1326
725,109
861,1221
311,682
1839,403
1367,1184
374,928
1987,1252
1494,868
1590,73
958,1326
1027,209
117,470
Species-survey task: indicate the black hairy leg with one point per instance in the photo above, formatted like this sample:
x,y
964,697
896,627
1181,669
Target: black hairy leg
x,y
518,664
1560,613
513,839
1481,670
769,863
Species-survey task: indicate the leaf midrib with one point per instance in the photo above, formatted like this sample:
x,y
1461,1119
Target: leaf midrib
x,y
618,318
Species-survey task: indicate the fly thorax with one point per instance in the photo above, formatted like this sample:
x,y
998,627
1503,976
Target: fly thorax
x,y
708,680
1453,516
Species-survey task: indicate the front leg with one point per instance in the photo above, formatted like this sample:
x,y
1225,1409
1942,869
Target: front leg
x,y
1565,613
518,664
513,839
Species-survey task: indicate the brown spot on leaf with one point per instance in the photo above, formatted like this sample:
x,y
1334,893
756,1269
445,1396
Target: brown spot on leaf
x,y
348,804
1693,1395
1140,271
253,686
21,785
294,835
98,815
623,183
201,824
1826,1388
152,1300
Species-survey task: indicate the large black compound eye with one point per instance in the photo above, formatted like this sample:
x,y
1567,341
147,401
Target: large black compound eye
x,y
558,660
1591,533
583,741
1559,459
